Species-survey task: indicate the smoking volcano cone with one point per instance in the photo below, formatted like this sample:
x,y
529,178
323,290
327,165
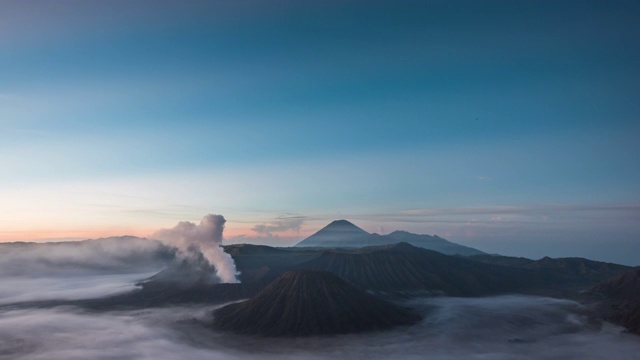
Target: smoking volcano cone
x,y
306,302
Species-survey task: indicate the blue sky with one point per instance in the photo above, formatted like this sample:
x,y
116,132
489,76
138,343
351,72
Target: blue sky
x,y
508,126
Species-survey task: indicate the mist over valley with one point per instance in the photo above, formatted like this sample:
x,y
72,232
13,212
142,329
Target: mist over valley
x,y
80,309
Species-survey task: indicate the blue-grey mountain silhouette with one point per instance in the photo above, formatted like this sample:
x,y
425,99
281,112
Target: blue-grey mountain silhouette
x,y
344,234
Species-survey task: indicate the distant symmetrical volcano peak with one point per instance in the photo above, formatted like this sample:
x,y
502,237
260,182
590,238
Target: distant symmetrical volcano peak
x,y
344,234
342,226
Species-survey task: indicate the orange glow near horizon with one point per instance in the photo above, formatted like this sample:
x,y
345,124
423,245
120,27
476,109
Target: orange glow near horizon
x,y
45,235
80,234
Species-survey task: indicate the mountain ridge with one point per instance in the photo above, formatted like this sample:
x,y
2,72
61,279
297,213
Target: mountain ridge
x,y
376,268
344,234
620,298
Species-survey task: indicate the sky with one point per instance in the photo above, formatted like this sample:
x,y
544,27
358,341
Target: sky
x,y
509,126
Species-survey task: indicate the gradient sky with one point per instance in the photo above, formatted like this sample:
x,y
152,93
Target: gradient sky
x,y
510,126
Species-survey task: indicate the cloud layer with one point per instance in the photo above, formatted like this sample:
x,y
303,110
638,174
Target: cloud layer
x,y
504,327
280,225
101,256
38,288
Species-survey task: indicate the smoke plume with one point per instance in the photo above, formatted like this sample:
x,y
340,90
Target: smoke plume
x,y
205,237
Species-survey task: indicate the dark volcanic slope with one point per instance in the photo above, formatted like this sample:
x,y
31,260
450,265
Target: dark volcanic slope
x,y
307,302
406,268
190,280
258,262
622,299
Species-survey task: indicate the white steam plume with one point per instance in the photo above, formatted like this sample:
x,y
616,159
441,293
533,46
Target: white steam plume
x,y
207,237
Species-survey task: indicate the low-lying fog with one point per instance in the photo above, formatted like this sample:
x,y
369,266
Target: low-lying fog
x,y
77,270
503,327
36,288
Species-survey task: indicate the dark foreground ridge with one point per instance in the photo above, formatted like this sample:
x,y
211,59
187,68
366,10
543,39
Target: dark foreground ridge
x,y
306,302
621,299
403,268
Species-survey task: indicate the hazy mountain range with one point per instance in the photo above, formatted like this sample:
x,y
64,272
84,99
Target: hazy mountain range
x,y
344,234
621,297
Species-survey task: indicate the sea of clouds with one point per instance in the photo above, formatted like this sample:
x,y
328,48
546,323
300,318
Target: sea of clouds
x,y
500,327
504,327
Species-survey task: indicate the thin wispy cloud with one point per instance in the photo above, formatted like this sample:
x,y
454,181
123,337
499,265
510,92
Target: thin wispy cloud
x,y
523,209
280,225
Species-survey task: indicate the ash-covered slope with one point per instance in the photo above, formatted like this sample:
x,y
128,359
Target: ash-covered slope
x,y
343,234
621,297
303,302
406,268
